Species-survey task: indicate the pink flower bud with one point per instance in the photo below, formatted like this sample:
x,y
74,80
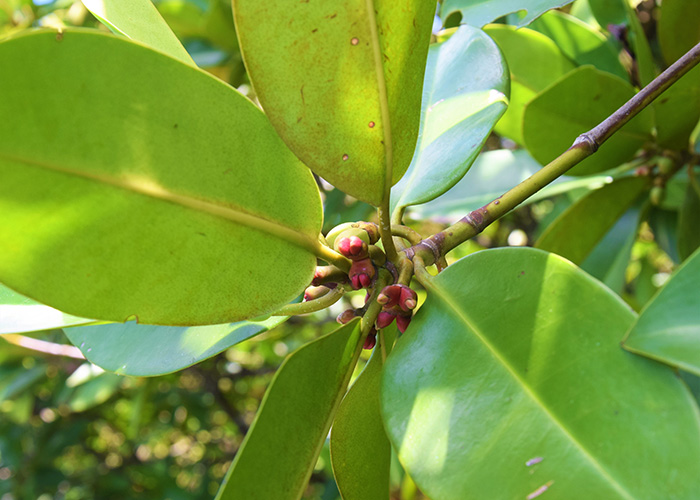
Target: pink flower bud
x,y
361,273
384,319
402,322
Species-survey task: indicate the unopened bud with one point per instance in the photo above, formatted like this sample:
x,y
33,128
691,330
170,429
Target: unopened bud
x,y
315,292
352,247
361,273
409,299
370,341
346,316
402,322
372,230
384,319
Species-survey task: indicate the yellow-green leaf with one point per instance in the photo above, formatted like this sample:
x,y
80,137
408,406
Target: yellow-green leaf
x,y
341,83
132,184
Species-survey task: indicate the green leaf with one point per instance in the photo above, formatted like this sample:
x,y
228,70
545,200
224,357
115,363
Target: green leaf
x,y
464,95
646,67
293,420
580,42
664,225
94,392
535,62
494,173
678,29
511,378
609,12
689,221
575,104
140,21
147,350
609,259
479,12
678,109
18,314
360,450
141,186
576,232
668,328
341,83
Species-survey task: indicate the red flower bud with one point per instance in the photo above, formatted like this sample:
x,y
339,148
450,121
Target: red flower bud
x,y
352,247
361,273
389,296
409,299
370,341
402,322
384,319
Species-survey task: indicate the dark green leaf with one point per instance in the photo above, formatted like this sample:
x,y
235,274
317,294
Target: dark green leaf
x,y
664,225
148,189
464,94
678,109
668,328
578,230
609,259
535,62
293,420
511,378
575,104
360,450
341,82
689,222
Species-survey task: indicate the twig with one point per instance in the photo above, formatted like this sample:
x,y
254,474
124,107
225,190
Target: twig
x,y
436,246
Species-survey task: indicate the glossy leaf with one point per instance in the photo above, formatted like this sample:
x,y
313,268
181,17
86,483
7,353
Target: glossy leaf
x,y
140,21
464,95
689,221
664,225
478,12
609,259
646,66
18,314
293,420
609,12
576,232
494,173
575,104
511,378
535,62
151,189
580,42
94,392
668,328
341,83
147,350
678,109
360,450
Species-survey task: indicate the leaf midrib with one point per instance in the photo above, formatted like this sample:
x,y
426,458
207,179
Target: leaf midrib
x,y
444,297
383,98
236,215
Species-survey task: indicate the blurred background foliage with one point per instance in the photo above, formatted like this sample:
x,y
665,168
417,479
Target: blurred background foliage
x,y
69,430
